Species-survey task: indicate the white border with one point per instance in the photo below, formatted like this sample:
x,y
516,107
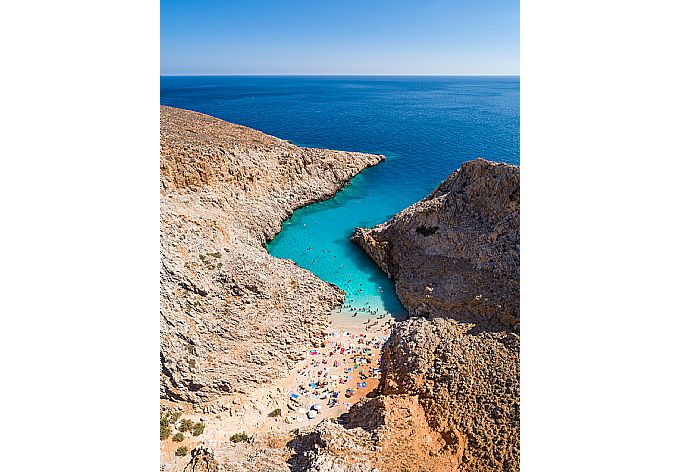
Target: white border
x,y
604,235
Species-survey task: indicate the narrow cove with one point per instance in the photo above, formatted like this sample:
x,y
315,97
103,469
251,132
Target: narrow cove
x,y
425,126
317,238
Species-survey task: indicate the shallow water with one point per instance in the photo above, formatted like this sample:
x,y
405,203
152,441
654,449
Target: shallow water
x,y
425,126
317,237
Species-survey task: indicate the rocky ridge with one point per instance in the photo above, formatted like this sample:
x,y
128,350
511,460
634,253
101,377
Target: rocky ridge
x,y
467,384
231,316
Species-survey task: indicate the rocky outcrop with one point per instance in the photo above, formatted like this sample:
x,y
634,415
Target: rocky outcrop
x,y
202,461
386,433
455,254
232,316
468,385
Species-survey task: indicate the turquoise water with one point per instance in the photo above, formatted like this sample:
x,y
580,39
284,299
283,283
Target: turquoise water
x,y
425,126
317,237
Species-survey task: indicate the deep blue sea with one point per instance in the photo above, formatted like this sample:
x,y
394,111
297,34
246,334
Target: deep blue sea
x,y
425,126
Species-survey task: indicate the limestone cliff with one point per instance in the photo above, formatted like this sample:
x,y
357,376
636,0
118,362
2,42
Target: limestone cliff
x,y
456,253
385,434
232,316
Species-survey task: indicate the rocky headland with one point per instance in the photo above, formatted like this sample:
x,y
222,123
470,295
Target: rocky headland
x,y
456,253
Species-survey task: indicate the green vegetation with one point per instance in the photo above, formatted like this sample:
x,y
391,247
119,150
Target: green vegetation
x,y
181,451
239,437
215,254
179,437
174,416
166,431
276,412
198,428
185,425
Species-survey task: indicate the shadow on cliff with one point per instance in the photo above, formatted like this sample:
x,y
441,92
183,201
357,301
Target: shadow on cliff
x,y
301,445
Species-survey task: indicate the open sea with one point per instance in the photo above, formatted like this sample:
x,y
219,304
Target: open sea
x,y
425,126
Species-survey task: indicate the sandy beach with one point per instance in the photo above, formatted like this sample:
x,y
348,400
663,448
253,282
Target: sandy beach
x,y
344,369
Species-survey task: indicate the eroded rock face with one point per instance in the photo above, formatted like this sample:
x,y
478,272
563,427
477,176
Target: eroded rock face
x,y
232,316
455,254
468,385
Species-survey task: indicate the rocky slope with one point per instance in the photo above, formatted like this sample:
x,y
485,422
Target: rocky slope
x,y
232,316
468,385
455,254
449,396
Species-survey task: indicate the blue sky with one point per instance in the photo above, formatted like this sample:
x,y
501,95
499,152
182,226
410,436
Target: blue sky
x,y
436,37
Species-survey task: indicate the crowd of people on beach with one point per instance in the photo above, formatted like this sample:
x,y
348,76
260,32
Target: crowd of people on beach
x,y
338,373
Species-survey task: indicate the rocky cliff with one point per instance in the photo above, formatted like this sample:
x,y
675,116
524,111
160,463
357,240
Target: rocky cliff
x,y
467,383
232,316
456,253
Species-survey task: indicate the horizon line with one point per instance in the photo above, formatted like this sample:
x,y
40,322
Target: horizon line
x,y
339,75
